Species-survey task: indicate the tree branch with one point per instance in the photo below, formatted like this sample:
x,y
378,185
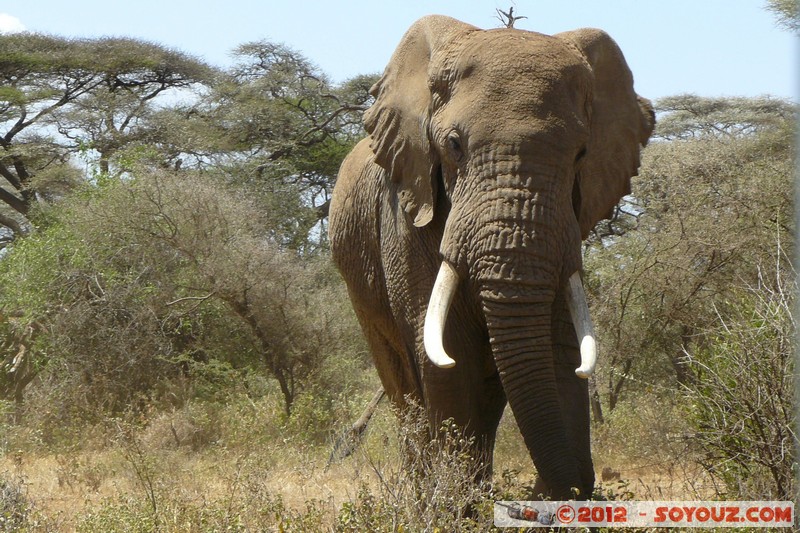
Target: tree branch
x,y
508,18
13,225
14,202
10,177
191,299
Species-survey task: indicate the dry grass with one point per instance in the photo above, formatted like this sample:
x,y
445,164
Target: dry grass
x,y
173,475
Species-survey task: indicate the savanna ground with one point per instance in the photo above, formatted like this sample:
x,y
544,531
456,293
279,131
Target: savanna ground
x,y
243,467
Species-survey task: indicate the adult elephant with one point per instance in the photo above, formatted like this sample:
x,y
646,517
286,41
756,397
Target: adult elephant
x,y
490,155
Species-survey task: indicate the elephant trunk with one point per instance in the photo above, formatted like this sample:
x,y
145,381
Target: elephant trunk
x,y
519,326
515,250
520,332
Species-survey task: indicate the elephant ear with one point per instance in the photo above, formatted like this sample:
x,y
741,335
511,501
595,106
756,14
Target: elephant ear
x,y
621,123
398,120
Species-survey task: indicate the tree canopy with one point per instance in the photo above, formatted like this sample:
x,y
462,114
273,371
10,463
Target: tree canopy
x,y
272,122
787,13
62,96
692,285
688,116
154,192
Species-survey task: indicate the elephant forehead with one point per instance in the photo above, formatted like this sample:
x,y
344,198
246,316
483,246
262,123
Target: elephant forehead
x,y
512,58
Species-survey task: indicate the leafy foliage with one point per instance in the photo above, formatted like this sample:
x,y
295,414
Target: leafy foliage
x,y
273,123
159,277
742,397
15,506
688,116
709,212
682,296
787,12
185,259
280,130
95,93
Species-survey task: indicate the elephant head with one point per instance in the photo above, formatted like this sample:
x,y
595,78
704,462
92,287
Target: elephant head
x,y
527,140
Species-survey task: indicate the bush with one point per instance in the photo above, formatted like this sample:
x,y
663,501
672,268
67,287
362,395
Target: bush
x,y
163,288
712,195
433,488
742,394
646,429
162,499
14,504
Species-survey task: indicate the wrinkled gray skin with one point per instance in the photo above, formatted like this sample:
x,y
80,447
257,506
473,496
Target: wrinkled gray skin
x,y
496,151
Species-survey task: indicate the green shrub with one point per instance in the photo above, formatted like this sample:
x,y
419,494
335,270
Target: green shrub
x,y
15,506
166,288
742,394
645,429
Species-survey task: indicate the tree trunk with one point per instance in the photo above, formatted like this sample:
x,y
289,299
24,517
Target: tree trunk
x,y
617,386
594,399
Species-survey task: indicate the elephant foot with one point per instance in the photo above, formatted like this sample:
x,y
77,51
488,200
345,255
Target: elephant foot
x,y
542,491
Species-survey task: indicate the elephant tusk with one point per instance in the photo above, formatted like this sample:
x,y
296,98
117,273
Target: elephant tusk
x,y
441,297
579,311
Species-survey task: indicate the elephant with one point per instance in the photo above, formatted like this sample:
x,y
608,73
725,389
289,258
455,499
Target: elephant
x,y
457,224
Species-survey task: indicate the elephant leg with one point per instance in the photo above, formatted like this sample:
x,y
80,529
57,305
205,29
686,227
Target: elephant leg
x,y
393,364
473,400
492,410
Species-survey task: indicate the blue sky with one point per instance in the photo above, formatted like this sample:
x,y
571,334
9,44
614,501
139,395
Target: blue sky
x,y
707,47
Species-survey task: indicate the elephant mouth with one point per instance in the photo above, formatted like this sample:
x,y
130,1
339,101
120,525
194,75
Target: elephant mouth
x,y
444,289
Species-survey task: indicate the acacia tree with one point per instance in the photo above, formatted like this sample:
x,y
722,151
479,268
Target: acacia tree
x,y
273,123
272,127
787,13
688,116
713,197
278,127
59,96
163,276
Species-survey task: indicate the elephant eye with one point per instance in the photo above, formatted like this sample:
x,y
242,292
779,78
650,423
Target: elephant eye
x,y
454,146
580,155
